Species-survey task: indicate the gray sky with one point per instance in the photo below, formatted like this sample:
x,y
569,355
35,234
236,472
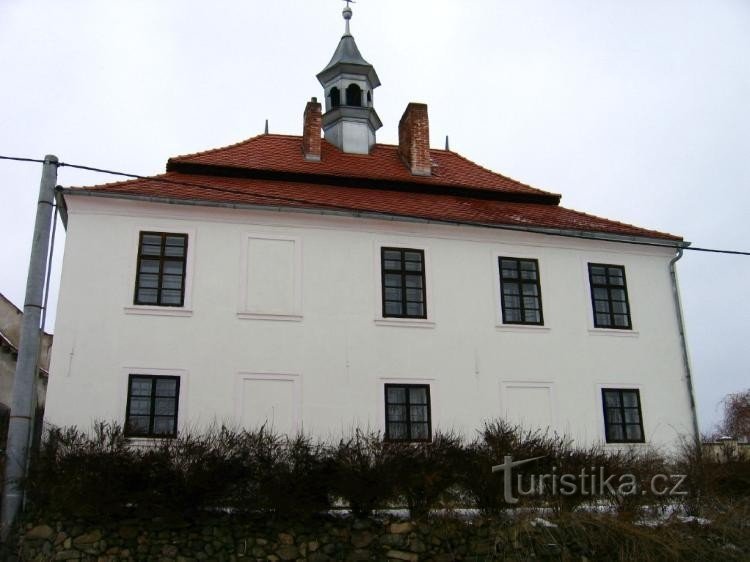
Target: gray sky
x,y
635,110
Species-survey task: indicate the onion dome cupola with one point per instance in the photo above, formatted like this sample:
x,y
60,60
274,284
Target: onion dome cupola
x,y
350,120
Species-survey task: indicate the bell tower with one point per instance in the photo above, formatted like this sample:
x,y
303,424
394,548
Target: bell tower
x,y
350,119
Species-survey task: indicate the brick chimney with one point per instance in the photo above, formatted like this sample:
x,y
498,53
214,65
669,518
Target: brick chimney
x,y
414,139
311,130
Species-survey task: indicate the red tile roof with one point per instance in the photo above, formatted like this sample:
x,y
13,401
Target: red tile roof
x,y
283,154
423,205
270,170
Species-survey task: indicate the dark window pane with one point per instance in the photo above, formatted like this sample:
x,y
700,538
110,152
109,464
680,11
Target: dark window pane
x,y
512,302
629,399
532,316
148,296
388,264
511,289
418,414
166,387
414,309
396,395
171,297
393,308
512,315
164,407
149,266
413,256
397,413
631,416
171,282
393,294
140,406
413,281
601,306
398,431
413,266
148,250
616,433
140,386
393,280
392,255
602,320
164,425
634,433
530,302
615,416
418,395
621,320
420,431
414,295
530,289
138,425
148,281
174,251
612,398
172,267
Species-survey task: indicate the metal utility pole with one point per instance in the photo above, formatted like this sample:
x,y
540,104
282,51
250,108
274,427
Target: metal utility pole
x,y
24,383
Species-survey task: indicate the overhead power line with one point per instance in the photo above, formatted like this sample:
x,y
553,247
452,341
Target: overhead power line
x,y
330,205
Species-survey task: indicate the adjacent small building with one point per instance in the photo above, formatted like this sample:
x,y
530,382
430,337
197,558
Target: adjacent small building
x,y
10,331
323,284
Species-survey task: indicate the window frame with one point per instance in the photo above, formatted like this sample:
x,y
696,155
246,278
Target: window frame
x,y
403,272
408,422
162,258
150,433
520,282
622,408
608,286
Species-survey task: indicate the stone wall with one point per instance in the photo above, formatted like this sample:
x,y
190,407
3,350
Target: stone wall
x,y
223,540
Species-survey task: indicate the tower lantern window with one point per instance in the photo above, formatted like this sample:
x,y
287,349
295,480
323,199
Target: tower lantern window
x,y
354,95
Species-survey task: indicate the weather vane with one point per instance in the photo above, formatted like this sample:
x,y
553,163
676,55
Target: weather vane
x,y
349,2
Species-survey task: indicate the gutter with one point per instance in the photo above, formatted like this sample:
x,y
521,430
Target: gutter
x,y
683,343
566,233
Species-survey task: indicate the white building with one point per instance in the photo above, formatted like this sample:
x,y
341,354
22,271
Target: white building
x,y
326,284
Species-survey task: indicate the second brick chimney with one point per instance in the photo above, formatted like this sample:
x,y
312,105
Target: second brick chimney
x,y
414,139
312,122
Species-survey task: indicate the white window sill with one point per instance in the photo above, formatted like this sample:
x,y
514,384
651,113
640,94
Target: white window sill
x,y
521,328
405,322
158,310
272,317
613,332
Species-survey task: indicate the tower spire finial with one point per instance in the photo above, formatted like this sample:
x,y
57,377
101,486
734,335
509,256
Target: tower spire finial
x,y
347,13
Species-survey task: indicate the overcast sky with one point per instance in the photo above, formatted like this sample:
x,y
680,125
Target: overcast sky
x,y
636,110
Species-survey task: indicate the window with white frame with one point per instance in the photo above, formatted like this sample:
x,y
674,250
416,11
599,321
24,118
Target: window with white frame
x,y
152,406
623,419
408,414
520,291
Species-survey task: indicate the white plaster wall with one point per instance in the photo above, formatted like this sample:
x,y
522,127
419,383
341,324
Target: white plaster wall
x,y
336,352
